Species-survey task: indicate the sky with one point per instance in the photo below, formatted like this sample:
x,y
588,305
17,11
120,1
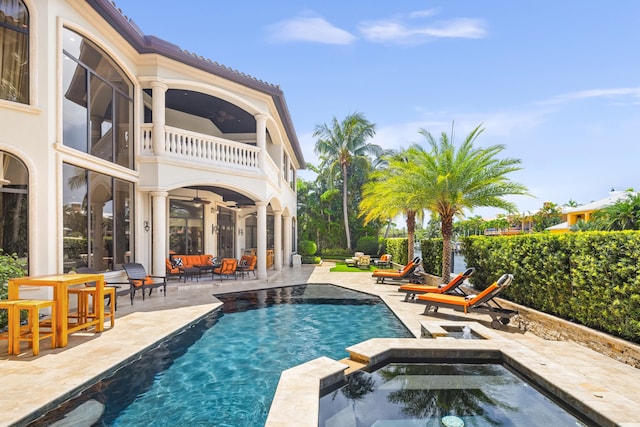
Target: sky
x,y
555,82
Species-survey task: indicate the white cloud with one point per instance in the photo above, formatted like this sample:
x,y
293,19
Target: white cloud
x,y
401,32
424,13
309,29
633,92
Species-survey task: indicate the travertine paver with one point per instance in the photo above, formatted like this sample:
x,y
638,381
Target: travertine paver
x,y
30,383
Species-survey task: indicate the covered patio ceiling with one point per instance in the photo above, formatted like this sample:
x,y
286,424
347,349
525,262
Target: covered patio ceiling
x,y
227,195
226,116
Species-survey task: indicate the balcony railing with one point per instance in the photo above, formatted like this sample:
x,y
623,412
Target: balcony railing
x,y
192,146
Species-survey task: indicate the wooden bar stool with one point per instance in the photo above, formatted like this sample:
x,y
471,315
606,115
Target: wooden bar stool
x,y
9,305
31,332
88,311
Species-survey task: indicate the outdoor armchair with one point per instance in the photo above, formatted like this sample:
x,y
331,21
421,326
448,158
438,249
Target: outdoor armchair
x,y
227,268
139,279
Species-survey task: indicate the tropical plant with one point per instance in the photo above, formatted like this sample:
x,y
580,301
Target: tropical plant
x,y
448,181
10,267
622,215
549,215
582,225
343,146
389,194
307,248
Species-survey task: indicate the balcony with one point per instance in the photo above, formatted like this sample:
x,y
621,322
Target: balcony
x,y
190,147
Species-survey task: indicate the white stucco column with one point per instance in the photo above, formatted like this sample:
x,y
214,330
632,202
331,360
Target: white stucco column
x,y
277,240
239,221
262,240
287,240
159,232
261,137
158,91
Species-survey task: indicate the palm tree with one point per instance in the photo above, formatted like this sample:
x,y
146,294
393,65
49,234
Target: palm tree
x,y
342,145
388,195
622,215
447,180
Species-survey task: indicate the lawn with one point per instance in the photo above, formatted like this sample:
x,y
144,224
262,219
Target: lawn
x,y
341,267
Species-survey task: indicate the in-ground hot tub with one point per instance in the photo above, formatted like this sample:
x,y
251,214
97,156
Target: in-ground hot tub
x,y
439,394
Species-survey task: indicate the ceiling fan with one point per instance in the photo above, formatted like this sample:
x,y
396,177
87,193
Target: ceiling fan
x,y
197,201
220,116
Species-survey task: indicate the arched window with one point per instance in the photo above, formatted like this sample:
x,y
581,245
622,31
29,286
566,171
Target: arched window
x,y
14,51
14,184
97,105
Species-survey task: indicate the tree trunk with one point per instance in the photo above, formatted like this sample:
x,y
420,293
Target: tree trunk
x,y
447,233
411,229
344,205
387,229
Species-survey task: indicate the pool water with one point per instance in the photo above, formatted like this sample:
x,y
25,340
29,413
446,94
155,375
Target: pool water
x,y
226,375
440,394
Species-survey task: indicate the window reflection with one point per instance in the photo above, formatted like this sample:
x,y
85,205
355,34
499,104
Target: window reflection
x,y
14,51
186,228
97,104
14,179
97,213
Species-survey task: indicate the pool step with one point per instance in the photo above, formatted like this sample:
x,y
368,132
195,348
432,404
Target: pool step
x,y
352,365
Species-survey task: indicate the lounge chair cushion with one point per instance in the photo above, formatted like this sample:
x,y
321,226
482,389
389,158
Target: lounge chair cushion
x,y
147,281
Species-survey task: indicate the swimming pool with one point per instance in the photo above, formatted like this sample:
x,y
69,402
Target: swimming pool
x,y
224,370
440,394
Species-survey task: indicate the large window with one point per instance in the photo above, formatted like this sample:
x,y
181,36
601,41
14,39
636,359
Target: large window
x,y
14,181
97,214
98,102
186,228
14,51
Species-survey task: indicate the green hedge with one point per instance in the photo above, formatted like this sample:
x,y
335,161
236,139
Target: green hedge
x,y
368,244
398,247
591,278
432,256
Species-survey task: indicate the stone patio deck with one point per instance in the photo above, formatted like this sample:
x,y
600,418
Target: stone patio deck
x,y
30,383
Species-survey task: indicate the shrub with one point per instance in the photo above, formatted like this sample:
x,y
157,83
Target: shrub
x,y
591,278
311,259
336,253
398,247
307,248
10,267
432,256
368,245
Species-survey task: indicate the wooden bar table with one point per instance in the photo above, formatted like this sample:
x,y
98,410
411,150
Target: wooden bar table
x,y
60,284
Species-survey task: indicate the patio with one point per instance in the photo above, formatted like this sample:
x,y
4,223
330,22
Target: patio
x,y
31,383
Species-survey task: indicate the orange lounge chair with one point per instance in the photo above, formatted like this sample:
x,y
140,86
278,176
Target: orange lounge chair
x,y
482,303
412,290
405,273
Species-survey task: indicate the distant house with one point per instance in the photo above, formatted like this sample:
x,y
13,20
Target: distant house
x,y
584,212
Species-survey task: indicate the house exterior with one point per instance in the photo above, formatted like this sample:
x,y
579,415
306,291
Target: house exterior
x,y
584,212
117,146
